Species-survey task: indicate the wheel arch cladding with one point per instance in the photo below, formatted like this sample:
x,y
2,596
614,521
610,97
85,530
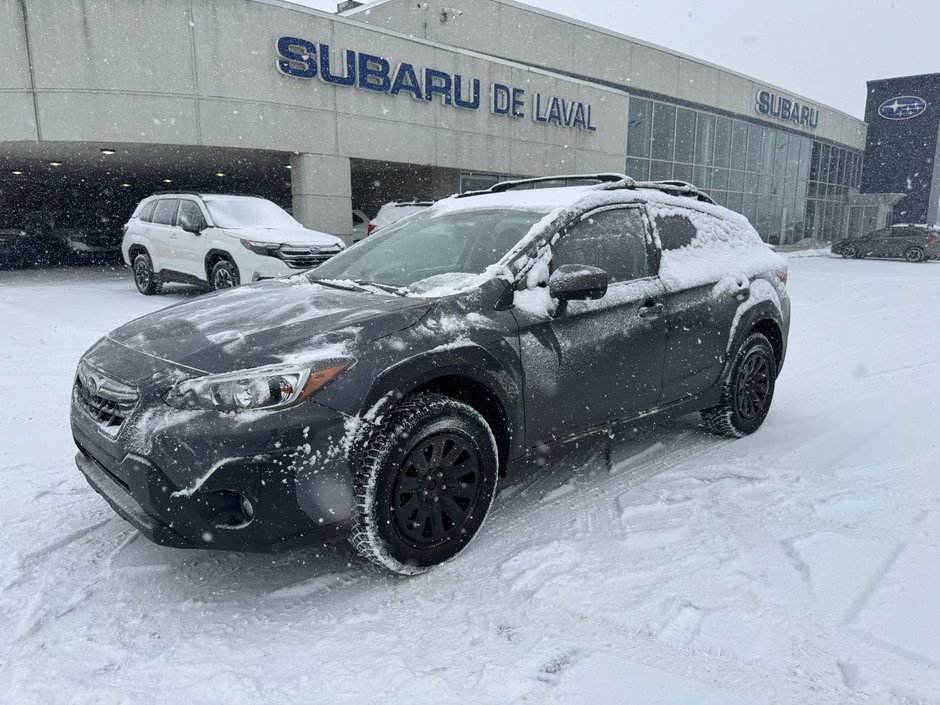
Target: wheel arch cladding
x,y
471,375
771,330
213,257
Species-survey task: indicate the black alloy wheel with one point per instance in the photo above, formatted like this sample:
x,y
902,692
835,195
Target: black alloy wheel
x,y
747,390
144,277
436,488
427,477
224,275
752,386
914,254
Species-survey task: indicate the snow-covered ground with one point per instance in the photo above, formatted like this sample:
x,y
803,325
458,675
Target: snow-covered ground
x,y
799,565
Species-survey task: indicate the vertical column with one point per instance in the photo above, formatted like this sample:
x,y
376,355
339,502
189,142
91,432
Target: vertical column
x,y
321,192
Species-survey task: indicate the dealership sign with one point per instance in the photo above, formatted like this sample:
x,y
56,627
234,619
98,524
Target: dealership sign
x,y
787,110
300,58
903,107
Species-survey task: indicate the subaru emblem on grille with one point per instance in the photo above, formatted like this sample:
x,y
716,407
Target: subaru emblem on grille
x,y
94,384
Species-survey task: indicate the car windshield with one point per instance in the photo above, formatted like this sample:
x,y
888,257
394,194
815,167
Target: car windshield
x,y
249,213
432,243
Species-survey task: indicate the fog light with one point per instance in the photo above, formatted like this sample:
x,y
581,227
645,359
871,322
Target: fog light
x,y
226,509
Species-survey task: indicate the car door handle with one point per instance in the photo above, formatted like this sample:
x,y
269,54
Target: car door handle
x,y
651,309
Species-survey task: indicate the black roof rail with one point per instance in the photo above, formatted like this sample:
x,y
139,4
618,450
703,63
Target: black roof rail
x,y
677,188
201,194
585,179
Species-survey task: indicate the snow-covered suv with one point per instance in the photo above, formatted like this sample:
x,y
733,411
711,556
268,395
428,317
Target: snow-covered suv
x,y
217,240
378,397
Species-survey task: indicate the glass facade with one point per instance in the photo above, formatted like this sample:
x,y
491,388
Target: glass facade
x,y
789,186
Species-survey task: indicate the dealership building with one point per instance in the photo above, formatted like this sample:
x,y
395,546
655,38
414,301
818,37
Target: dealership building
x,y
103,103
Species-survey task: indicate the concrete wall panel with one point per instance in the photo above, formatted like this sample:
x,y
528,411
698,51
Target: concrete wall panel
x,y
14,61
17,116
232,123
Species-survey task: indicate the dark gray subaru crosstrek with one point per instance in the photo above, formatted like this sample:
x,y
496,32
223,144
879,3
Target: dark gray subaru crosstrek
x,y
378,397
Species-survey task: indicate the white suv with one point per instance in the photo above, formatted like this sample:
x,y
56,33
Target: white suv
x,y
217,240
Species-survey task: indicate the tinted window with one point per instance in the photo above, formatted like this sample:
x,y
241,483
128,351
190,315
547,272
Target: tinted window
x,y
614,240
905,232
147,213
189,214
165,212
675,231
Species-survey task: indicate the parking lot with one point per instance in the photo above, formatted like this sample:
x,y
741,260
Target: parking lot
x,y
796,565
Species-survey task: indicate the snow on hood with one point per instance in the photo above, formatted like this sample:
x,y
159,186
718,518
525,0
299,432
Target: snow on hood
x,y
292,236
266,323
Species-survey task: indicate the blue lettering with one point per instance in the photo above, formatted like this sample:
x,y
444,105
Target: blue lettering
x,y
554,112
293,63
406,80
785,108
500,102
517,103
437,83
537,108
371,78
763,102
590,127
579,117
459,100
804,115
349,79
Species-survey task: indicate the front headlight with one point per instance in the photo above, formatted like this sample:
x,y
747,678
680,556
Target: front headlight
x,y
261,248
270,387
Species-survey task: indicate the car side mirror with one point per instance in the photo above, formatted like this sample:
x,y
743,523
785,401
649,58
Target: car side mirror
x,y
194,228
571,282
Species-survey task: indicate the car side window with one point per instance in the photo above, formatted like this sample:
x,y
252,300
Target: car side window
x,y
165,212
147,213
190,215
675,231
905,232
614,240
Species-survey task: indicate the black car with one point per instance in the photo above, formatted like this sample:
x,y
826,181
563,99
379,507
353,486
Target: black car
x,y
14,244
378,397
915,243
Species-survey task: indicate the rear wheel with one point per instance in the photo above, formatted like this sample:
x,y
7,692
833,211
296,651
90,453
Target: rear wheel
x,y
747,390
427,479
224,275
914,254
144,276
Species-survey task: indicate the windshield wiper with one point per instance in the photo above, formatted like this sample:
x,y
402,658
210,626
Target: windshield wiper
x,y
390,288
344,284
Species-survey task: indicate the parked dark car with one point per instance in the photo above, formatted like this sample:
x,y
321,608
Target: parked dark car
x,y
378,397
14,241
915,243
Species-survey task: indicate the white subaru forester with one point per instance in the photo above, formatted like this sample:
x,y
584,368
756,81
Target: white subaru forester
x,y
218,241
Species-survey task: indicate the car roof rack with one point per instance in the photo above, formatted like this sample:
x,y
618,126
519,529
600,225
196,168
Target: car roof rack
x,y
202,194
604,180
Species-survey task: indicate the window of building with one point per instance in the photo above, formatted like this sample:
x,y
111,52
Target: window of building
x,y
685,135
664,132
639,128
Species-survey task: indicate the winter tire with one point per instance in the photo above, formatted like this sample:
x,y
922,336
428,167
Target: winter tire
x,y
427,477
747,390
144,276
224,275
849,252
914,254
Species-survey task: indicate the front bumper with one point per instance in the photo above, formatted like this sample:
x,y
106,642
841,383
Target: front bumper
x,y
186,485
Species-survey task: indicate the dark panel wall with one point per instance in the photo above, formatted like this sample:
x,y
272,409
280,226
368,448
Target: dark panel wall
x,y
899,155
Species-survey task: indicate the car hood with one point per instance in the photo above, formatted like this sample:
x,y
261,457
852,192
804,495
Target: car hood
x,y
281,320
293,236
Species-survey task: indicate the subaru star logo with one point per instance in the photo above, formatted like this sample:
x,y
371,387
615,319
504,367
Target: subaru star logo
x,y
904,107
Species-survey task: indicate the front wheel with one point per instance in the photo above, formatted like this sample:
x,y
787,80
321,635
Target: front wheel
x,y
746,391
224,275
849,251
144,276
427,479
914,254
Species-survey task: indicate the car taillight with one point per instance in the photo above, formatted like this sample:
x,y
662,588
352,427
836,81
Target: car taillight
x,y
369,228
782,274
931,239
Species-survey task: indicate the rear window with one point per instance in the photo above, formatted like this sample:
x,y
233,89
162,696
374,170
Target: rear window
x,y
147,213
165,212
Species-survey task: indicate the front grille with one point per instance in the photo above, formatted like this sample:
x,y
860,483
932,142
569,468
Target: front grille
x,y
108,401
303,257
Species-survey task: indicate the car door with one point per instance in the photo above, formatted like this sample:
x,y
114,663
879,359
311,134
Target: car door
x,y
902,239
190,253
162,235
877,244
593,361
698,318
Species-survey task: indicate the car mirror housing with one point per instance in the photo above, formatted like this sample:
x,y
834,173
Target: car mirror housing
x,y
571,282
194,228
